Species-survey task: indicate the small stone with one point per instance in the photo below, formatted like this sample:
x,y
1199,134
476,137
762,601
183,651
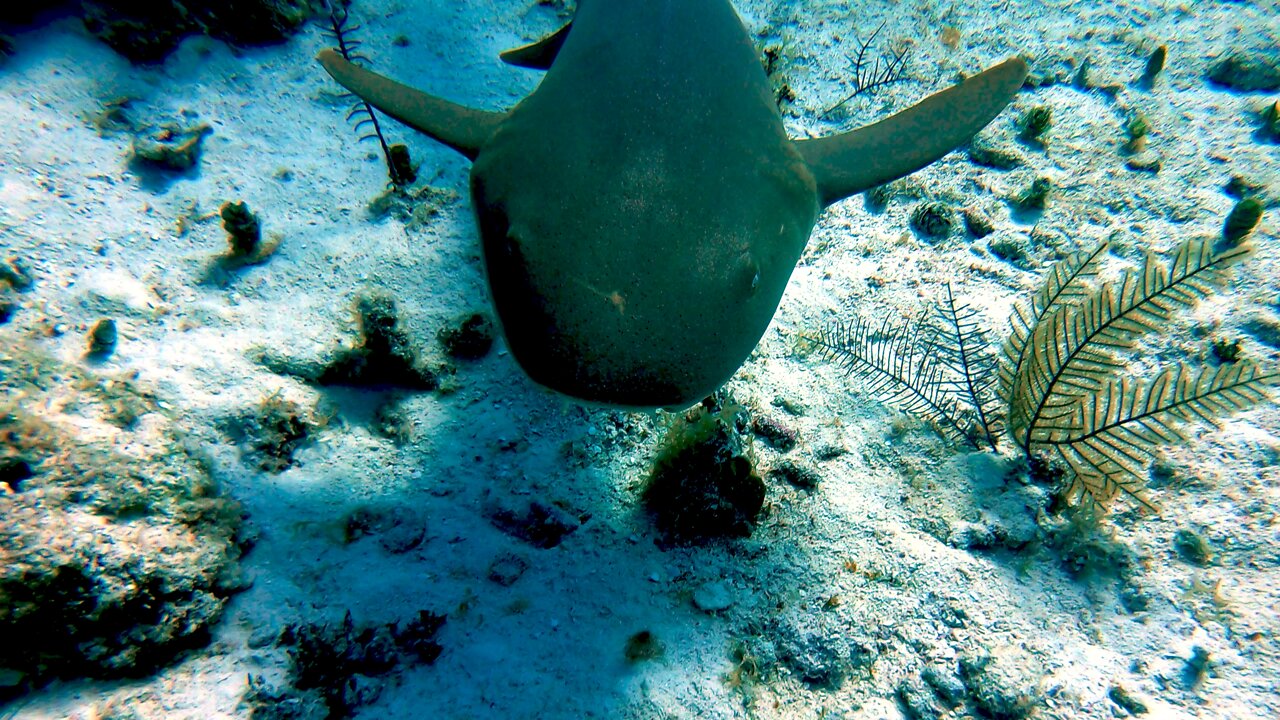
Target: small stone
x,y
1035,196
971,536
1241,187
946,685
1241,221
713,597
540,524
1035,122
1127,699
11,678
1155,64
1245,72
1193,547
1197,667
15,273
1009,249
1264,327
399,165
993,157
1145,161
263,637
977,223
244,231
403,537
642,646
102,338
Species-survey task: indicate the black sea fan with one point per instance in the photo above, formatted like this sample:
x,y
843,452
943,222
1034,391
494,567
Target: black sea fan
x,y
399,168
1060,374
942,370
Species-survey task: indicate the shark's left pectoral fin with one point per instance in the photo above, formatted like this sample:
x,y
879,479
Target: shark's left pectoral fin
x,y
851,162
538,55
462,128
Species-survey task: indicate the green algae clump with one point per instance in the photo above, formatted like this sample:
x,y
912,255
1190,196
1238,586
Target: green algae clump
x,y
704,483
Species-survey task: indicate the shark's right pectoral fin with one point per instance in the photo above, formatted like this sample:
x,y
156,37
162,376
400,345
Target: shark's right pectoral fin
x,y
462,128
851,162
538,55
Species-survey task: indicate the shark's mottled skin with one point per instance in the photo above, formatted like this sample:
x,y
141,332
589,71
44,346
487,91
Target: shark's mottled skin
x,y
642,210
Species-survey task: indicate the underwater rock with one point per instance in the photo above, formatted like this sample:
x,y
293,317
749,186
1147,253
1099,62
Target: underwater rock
x,y
1269,123
8,305
399,165
994,157
713,597
1146,161
945,684
1193,547
170,146
1264,326
1034,123
541,524
267,702
1196,668
469,337
977,223
971,536
340,666
273,432
1137,128
383,358
918,701
14,278
130,556
1248,72
1154,66
1241,187
1132,702
15,273
1035,196
398,529
818,655
415,207
1002,683
148,31
391,420
1012,248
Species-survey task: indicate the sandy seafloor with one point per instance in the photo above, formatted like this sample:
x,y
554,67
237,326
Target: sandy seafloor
x,y
98,234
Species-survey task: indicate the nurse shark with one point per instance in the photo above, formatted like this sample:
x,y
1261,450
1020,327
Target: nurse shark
x,y
642,210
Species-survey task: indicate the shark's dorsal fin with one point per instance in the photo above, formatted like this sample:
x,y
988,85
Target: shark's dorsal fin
x,y
538,55
462,128
851,162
